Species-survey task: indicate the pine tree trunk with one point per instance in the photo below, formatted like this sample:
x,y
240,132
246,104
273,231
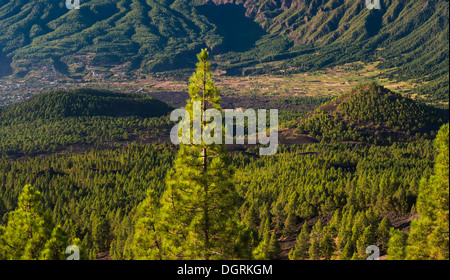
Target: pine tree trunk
x,y
205,185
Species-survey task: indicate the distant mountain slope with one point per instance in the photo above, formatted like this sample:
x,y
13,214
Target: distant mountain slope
x,y
161,35
410,35
374,114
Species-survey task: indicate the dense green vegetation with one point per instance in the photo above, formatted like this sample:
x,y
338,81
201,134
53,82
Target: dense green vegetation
x,y
55,120
88,190
374,114
409,37
196,215
160,201
303,181
429,234
30,233
104,189
104,198
84,103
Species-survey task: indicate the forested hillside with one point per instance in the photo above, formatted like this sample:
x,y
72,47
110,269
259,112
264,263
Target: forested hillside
x,y
146,36
373,114
104,188
56,120
139,200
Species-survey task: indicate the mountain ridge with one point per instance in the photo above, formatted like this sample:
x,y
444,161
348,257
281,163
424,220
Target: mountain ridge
x,y
147,36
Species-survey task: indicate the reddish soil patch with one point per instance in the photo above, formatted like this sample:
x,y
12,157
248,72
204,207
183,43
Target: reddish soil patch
x,y
103,256
289,137
402,222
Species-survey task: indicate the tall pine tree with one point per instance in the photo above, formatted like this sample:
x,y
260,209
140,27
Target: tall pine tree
x,y
397,245
196,218
429,236
302,246
30,233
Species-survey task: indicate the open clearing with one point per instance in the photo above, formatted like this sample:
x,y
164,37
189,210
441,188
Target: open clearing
x,y
329,82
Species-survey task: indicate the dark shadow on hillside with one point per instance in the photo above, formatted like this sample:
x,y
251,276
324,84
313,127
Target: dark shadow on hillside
x,y
374,22
239,32
5,66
